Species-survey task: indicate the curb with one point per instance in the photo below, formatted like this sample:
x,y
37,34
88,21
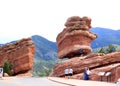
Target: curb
x,y
60,82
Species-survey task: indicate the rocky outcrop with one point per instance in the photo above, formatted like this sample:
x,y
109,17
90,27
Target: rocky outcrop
x,y
96,62
75,37
20,54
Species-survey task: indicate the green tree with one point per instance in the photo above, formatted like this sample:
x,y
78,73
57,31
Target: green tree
x,y
101,50
111,49
7,67
45,73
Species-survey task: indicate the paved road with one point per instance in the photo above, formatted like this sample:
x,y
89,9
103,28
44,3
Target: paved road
x,y
34,81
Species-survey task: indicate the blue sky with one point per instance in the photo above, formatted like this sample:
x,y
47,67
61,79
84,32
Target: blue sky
x,y
24,18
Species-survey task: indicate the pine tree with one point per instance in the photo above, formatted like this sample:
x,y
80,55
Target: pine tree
x,y
101,50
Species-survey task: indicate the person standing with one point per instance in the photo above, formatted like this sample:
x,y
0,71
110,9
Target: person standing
x,y
86,73
70,72
66,72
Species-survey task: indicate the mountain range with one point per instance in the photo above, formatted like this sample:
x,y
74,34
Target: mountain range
x,y
105,37
46,51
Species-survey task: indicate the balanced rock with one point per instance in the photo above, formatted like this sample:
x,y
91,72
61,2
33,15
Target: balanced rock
x,y
75,38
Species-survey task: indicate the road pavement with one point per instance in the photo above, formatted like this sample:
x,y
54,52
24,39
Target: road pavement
x,y
50,81
29,81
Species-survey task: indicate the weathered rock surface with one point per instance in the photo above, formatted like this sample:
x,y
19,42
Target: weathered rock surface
x,y
20,54
96,62
75,37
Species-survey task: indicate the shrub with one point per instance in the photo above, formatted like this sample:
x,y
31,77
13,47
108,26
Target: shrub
x,y
45,73
7,67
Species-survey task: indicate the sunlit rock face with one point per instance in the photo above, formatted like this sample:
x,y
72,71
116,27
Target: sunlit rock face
x,y
20,54
75,37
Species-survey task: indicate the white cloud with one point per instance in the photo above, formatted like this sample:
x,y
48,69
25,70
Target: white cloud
x,y
24,18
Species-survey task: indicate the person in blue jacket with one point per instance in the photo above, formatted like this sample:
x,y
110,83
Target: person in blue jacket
x,y
86,73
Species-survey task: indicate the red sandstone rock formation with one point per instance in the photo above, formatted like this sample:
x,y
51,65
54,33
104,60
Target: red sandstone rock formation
x,y
96,62
74,37
71,40
20,54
